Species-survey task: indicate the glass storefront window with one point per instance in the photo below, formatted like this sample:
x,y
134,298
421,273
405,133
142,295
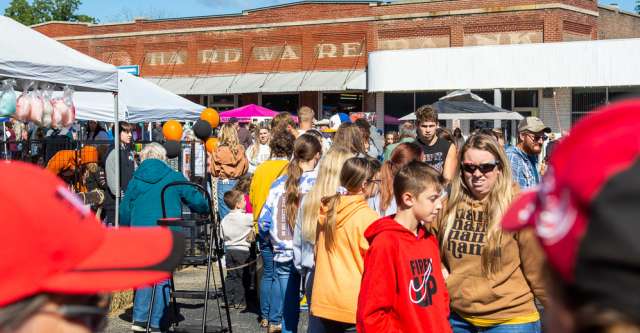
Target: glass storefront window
x,y
525,98
221,102
398,104
282,102
341,102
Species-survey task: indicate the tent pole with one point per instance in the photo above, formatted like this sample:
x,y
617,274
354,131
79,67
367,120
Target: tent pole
x,y
4,140
116,140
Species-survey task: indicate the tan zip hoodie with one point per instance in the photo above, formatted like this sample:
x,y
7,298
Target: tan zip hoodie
x,y
508,293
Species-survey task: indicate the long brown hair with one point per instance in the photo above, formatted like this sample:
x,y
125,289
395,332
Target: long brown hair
x,y
355,172
497,200
402,155
349,137
305,148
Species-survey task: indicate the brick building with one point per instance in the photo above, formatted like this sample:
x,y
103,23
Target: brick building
x,y
315,53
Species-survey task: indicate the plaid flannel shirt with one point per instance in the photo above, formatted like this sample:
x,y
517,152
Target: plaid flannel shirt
x,y
523,167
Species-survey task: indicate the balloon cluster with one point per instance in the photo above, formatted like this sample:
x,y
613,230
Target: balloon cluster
x,y
203,128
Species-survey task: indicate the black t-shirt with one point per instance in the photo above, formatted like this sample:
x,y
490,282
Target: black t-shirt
x,y
435,155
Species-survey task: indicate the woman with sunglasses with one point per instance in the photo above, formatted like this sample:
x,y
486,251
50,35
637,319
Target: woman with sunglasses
x,y
494,275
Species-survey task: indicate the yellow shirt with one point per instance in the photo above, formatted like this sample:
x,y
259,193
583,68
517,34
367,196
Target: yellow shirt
x,y
488,322
266,173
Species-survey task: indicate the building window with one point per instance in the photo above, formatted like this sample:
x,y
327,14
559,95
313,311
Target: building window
x,y
282,102
584,100
221,102
525,98
341,102
487,95
399,104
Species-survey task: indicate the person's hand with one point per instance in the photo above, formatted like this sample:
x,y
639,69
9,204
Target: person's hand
x,y
264,226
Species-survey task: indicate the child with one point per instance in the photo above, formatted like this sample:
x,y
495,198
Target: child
x,y
403,289
237,225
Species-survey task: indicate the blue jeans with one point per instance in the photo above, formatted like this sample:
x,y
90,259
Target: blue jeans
x,y
459,325
224,186
267,285
142,300
288,281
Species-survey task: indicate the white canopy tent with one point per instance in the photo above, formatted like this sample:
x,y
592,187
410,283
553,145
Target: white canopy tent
x,y
139,100
26,54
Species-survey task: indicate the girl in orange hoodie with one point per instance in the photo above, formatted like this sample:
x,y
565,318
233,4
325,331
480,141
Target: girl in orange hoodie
x,y
341,246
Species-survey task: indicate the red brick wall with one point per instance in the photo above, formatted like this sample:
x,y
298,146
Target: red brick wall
x,y
336,46
614,24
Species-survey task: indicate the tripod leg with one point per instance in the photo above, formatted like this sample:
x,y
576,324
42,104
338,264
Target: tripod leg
x,y
176,311
153,298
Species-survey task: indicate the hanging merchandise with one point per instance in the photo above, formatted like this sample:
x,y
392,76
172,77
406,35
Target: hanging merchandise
x,y
23,105
69,111
47,113
37,107
7,98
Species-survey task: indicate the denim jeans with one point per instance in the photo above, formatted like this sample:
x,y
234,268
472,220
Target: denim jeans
x,y
142,300
267,285
288,282
459,325
224,186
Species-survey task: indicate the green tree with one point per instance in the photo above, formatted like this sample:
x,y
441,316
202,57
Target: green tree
x,y
46,10
638,6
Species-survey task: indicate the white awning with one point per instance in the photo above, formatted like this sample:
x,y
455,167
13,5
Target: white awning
x,y
566,64
265,82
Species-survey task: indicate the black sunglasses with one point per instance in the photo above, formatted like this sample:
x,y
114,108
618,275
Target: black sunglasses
x,y
92,313
538,137
484,167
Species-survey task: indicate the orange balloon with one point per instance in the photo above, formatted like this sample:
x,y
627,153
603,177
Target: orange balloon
x,y
172,130
211,116
211,144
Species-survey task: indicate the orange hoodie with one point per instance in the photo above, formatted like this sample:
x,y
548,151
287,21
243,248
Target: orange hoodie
x,y
338,273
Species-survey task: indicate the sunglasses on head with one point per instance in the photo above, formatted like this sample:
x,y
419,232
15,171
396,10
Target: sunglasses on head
x,y
484,167
92,312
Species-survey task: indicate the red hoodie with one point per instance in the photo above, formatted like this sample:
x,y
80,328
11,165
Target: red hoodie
x,y
402,287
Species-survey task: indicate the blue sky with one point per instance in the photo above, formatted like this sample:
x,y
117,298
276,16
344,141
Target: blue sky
x,y
121,10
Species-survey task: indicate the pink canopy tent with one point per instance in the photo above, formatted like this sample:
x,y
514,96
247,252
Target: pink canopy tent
x,y
246,113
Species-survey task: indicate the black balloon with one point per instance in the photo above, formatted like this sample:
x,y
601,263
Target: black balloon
x,y
202,129
173,149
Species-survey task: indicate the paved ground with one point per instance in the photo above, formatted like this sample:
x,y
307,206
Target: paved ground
x,y
191,310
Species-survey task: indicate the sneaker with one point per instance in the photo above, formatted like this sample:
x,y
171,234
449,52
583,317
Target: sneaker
x,y
139,326
274,328
142,327
264,323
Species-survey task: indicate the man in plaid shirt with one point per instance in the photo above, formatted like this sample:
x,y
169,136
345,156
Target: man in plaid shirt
x,y
524,156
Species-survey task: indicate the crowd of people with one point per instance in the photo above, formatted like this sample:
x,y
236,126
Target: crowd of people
x,y
420,230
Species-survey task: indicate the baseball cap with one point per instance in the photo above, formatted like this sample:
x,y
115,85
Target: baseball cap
x,y
336,120
586,210
532,124
52,243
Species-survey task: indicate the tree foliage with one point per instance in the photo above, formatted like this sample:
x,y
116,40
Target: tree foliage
x,y
638,6
40,11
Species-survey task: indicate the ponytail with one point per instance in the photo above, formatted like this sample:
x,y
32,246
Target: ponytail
x,y
355,172
305,148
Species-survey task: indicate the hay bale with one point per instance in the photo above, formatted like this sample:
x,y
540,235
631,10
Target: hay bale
x,y
120,301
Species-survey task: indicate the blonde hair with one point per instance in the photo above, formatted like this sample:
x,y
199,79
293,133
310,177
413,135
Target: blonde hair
x,y
306,114
497,201
355,172
326,184
153,150
255,147
229,138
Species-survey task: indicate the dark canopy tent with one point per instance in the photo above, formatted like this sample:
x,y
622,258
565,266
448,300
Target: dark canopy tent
x,y
462,104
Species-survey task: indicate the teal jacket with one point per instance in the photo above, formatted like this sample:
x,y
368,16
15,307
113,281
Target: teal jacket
x,y
141,206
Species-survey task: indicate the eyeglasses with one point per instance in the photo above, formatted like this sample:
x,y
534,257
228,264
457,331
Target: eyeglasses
x,y
484,167
537,137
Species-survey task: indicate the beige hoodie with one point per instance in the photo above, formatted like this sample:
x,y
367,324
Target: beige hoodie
x,y
506,294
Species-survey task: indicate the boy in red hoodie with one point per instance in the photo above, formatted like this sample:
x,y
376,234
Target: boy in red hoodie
x,y
403,289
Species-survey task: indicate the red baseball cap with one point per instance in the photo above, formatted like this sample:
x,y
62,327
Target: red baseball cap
x,y
586,210
52,243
